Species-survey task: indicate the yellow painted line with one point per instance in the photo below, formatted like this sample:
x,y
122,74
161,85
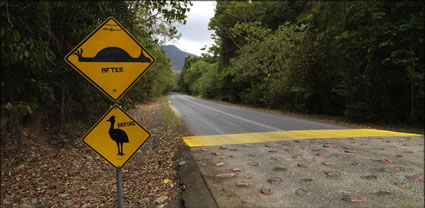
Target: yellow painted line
x,y
212,140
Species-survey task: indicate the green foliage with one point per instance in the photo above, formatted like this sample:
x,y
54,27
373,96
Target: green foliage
x,y
35,36
158,80
183,83
170,118
235,22
63,138
360,59
157,17
206,84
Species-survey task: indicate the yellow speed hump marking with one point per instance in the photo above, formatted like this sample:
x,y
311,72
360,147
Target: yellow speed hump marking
x,y
110,58
213,140
116,137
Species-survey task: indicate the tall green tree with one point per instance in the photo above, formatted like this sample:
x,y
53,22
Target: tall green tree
x,y
35,36
363,60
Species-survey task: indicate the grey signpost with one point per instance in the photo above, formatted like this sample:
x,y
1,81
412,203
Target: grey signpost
x,y
119,188
97,71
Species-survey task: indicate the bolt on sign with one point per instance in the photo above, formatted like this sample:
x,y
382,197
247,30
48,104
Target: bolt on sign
x,y
116,137
110,58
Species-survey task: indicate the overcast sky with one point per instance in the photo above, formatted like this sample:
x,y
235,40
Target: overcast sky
x,y
195,34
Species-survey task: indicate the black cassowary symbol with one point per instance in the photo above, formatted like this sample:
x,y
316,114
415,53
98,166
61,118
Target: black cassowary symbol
x,y
112,54
118,135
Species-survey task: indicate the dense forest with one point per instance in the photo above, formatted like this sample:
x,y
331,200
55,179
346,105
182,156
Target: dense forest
x,y
362,60
35,37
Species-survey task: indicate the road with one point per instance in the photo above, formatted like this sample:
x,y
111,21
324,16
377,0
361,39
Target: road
x,y
211,118
250,158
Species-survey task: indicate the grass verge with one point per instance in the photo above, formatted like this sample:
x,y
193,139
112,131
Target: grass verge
x,y
171,120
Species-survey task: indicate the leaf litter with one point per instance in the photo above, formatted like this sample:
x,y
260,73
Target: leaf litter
x,y
40,173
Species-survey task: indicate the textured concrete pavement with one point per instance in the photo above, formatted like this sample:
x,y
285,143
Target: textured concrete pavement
x,y
352,172
383,169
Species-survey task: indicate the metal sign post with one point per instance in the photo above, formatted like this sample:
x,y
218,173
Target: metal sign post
x,y
112,60
119,184
119,188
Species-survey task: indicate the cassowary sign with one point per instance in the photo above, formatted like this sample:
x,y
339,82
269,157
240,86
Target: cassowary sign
x,y
116,137
110,58
113,61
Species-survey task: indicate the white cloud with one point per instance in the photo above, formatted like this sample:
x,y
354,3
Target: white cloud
x,y
195,34
192,46
203,8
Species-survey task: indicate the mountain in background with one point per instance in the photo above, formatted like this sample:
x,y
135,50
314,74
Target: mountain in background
x,y
176,55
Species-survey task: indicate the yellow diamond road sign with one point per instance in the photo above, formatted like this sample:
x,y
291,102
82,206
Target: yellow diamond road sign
x,y
110,58
116,137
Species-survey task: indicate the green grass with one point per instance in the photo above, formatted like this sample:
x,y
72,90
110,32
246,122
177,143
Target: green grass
x,y
170,118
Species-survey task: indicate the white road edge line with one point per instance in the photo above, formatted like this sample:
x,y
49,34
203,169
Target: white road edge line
x,y
234,116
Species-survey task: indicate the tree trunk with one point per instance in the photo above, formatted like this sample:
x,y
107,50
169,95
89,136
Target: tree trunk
x,y
412,99
340,14
62,107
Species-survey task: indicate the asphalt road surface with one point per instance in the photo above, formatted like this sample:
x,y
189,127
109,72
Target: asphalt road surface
x,y
210,118
249,158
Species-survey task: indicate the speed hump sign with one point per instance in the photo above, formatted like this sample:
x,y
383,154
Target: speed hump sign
x,y
110,58
116,137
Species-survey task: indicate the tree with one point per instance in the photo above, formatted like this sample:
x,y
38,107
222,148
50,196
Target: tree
x,y
363,60
37,35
